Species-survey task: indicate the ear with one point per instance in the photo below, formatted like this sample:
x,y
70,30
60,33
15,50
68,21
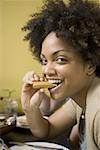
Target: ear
x,y
90,69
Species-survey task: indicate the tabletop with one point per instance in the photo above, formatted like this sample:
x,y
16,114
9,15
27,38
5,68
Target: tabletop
x,y
22,134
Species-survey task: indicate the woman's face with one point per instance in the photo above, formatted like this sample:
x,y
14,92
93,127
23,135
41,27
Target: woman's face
x,y
62,66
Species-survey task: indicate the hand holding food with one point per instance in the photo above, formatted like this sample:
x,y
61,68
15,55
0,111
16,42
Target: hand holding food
x,y
31,91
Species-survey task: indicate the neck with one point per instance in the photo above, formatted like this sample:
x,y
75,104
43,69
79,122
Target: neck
x,y
80,97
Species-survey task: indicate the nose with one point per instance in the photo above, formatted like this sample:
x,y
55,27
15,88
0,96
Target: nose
x,y
49,69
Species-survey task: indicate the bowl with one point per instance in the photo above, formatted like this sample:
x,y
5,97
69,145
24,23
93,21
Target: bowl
x,y
7,125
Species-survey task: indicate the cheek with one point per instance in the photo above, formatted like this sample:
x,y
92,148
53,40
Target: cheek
x,y
66,71
72,74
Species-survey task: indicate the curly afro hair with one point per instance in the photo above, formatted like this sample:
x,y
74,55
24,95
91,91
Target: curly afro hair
x,y
77,21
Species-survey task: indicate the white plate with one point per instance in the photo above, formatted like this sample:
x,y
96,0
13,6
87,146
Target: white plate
x,y
22,122
45,144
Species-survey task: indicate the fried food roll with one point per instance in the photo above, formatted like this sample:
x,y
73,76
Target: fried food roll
x,y
43,84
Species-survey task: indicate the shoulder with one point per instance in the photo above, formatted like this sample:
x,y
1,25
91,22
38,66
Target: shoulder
x,y
93,98
94,88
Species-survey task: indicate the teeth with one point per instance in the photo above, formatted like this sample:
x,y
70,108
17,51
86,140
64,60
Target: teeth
x,y
54,81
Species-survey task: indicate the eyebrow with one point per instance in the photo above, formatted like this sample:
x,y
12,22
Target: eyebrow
x,y
55,53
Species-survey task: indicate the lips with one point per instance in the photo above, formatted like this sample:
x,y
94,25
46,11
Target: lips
x,y
55,92
56,82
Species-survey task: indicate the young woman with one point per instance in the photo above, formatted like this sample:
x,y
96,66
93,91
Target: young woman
x,y
66,39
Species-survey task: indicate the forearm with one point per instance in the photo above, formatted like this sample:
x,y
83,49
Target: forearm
x,y
38,125
49,106
74,138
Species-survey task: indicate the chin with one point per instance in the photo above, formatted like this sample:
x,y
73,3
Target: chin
x,y
57,97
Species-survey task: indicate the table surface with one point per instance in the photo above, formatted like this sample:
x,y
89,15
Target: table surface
x,y
24,135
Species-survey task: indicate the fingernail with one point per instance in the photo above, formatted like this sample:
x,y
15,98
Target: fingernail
x,y
41,90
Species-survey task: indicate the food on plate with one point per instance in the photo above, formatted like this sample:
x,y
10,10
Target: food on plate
x,y
22,121
43,84
6,124
3,121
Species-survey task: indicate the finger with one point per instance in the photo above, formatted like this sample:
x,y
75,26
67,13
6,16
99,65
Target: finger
x,y
29,77
37,98
27,87
43,78
36,77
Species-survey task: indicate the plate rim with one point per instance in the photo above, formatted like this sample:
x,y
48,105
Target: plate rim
x,y
48,142
19,125
36,143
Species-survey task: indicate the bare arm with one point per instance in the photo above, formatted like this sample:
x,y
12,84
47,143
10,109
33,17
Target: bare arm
x,y
74,137
49,106
58,122
31,100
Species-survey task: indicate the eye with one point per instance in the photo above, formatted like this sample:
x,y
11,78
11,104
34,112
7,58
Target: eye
x,y
61,60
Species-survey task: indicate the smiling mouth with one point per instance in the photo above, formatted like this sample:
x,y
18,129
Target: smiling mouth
x,y
56,82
